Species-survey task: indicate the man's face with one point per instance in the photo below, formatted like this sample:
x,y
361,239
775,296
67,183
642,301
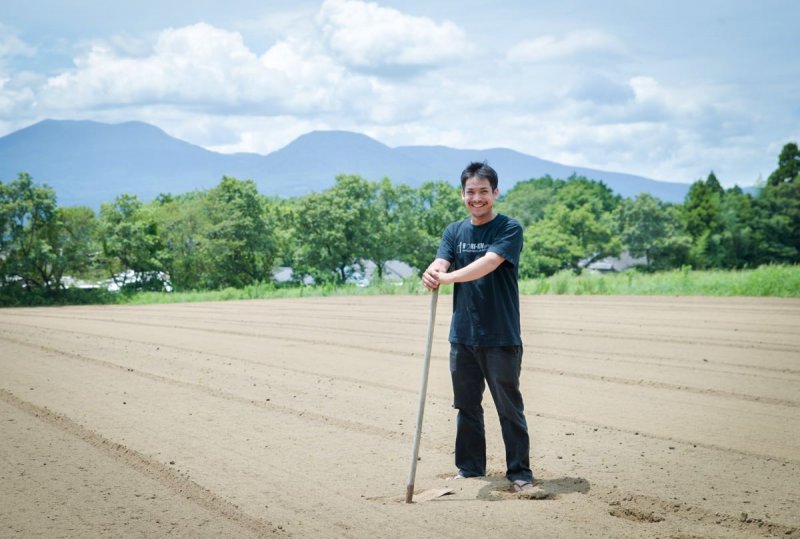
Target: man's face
x,y
479,198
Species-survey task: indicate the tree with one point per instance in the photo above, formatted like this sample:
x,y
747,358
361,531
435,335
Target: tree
x,y
238,246
778,210
336,227
652,228
702,207
579,192
436,204
133,254
283,213
393,235
713,185
29,250
548,248
577,229
528,200
183,223
702,210
740,240
788,166
78,244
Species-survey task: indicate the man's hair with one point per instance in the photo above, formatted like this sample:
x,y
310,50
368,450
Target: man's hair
x,y
479,170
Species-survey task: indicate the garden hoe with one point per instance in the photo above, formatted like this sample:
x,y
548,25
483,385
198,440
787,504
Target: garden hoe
x,y
422,393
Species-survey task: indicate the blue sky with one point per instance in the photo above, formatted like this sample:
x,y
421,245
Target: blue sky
x,y
667,90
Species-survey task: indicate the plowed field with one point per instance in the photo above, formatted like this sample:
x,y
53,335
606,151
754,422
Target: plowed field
x,y
649,417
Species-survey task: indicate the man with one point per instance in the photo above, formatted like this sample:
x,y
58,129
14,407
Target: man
x,y
485,344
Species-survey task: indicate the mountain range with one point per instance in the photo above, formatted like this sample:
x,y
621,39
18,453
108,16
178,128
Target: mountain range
x,y
88,163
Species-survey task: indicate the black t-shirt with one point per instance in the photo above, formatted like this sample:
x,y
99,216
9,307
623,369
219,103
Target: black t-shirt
x,y
486,310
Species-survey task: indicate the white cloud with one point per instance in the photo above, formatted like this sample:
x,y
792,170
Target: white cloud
x,y
266,135
550,48
640,125
201,66
601,90
190,65
309,80
13,101
11,45
206,67
366,35
16,94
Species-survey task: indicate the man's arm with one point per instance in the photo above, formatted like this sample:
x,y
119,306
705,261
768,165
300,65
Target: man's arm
x,y
475,270
430,278
436,273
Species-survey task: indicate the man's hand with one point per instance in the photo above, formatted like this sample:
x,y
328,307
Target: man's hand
x,y
436,274
430,279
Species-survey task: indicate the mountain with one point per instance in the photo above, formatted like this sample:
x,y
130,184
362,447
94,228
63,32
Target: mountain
x,y
312,161
516,166
88,163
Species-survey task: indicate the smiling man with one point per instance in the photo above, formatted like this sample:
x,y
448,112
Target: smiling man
x,y
485,343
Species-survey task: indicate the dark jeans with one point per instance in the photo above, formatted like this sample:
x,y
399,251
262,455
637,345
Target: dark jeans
x,y
471,368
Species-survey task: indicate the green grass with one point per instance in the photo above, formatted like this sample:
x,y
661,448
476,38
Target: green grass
x,y
270,291
778,281
772,280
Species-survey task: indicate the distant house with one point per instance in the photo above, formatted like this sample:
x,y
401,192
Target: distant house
x,y
393,270
129,277
615,264
282,274
360,274
67,281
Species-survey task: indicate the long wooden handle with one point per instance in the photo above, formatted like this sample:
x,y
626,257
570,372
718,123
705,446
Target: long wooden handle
x,y
422,394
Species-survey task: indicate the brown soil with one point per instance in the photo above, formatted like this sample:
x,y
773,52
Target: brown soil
x,y
649,417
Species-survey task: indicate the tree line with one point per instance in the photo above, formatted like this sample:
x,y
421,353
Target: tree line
x,y
232,236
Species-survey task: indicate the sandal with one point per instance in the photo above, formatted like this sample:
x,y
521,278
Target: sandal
x,y
521,485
